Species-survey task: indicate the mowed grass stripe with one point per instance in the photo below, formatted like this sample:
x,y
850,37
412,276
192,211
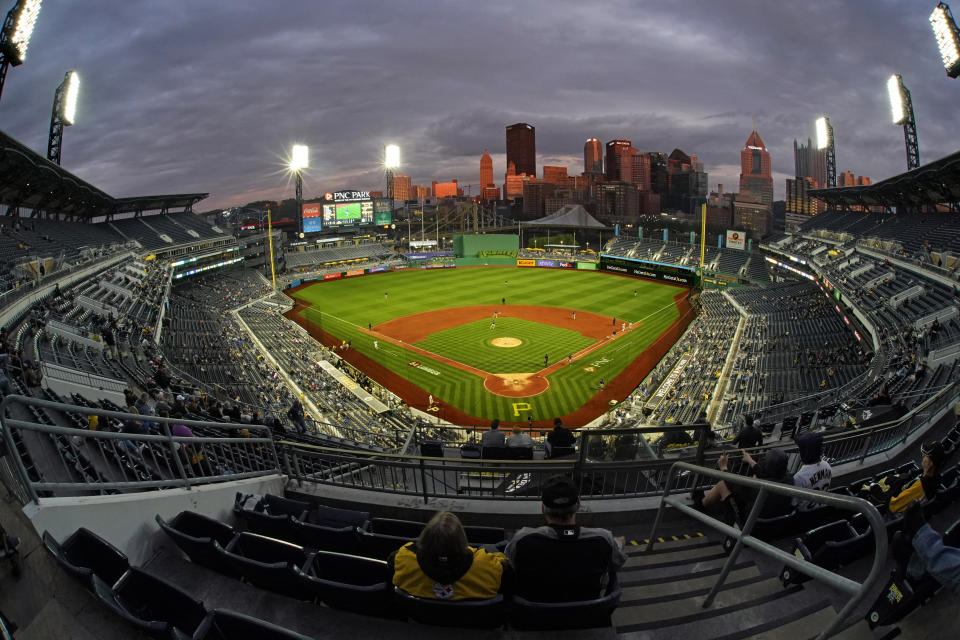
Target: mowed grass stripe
x,y
342,307
471,343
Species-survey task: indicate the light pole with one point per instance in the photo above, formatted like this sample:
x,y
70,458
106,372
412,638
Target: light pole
x,y
15,35
825,141
948,39
901,110
64,111
299,160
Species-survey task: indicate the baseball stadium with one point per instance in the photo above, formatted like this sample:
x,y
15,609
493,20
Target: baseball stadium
x,y
363,414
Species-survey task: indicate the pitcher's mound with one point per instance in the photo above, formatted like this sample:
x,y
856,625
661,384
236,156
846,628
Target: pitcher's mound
x,y
506,343
515,385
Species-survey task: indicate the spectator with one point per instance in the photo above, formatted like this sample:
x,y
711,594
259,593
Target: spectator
x,y
519,438
919,550
749,436
815,473
926,485
440,565
493,437
295,413
560,438
772,466
110,342
562,561
4,379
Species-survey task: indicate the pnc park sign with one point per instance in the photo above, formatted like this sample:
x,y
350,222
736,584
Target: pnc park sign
x,y
346,196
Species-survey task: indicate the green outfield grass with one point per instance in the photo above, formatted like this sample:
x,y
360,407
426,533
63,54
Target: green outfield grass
x,y
342,307
471,344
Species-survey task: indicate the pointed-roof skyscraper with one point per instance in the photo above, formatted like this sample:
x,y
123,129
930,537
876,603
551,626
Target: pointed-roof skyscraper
x,y
486,169
756,173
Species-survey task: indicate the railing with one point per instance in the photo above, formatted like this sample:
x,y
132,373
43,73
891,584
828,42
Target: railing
x,y
611,463
856,590
59,372
111,462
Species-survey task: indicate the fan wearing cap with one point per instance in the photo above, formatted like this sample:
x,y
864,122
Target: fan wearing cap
x,y
440,565
562,561
926,485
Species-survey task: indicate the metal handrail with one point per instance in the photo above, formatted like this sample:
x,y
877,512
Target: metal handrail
x,y
263,439
857,591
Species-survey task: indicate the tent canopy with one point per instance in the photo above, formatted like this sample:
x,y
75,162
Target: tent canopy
x,y
571,215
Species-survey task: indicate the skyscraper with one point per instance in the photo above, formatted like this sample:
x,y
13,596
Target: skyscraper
x,y
401,187
810,162
522,148
486,170
592,157
618,165
756,174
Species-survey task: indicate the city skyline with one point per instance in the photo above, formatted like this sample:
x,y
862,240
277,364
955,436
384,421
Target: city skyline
x,y
211,99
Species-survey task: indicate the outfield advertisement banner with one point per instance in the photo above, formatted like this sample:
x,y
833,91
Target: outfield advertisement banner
x,y
651,270
735,240
378,269
437,266
587,266
563,264
524,262
332,276
295,283
354,272
546,263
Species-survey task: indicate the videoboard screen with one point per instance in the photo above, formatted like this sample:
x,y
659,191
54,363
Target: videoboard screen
x,y
342,213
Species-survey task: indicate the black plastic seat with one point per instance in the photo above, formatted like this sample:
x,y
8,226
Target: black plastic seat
x,y
267,563
348,582
580,614
280,526
333,517
519,453
84,554
470,451
830,546
380,546
431,449
278,505
314,536
409,529
495,453
151,604
479,535
489,613
223,624
196,534
552,570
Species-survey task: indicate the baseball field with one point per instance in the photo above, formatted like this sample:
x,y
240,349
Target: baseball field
x,y
518,344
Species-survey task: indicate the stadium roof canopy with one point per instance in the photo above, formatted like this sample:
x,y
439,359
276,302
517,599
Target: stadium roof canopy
x,y
918,190
571,215
30,181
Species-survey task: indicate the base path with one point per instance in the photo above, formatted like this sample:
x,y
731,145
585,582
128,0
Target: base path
x,y
414,328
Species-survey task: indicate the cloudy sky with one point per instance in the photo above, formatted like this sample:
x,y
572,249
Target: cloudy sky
x,y
208,95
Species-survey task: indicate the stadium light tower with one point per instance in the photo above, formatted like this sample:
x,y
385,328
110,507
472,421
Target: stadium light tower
x,y
901,110
948,39
64,110
299,160
15,35
391,161
825,141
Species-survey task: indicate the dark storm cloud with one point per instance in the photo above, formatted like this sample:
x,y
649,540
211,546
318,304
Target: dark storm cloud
x,y
208,96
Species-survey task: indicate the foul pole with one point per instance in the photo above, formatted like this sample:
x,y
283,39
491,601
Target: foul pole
x,y
703,234
273,272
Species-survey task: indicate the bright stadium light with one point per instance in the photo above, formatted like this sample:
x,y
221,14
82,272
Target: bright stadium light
x,y
70,97
300,157
895,91
823,135
391,156
18,28
948,41
15,35
64,112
